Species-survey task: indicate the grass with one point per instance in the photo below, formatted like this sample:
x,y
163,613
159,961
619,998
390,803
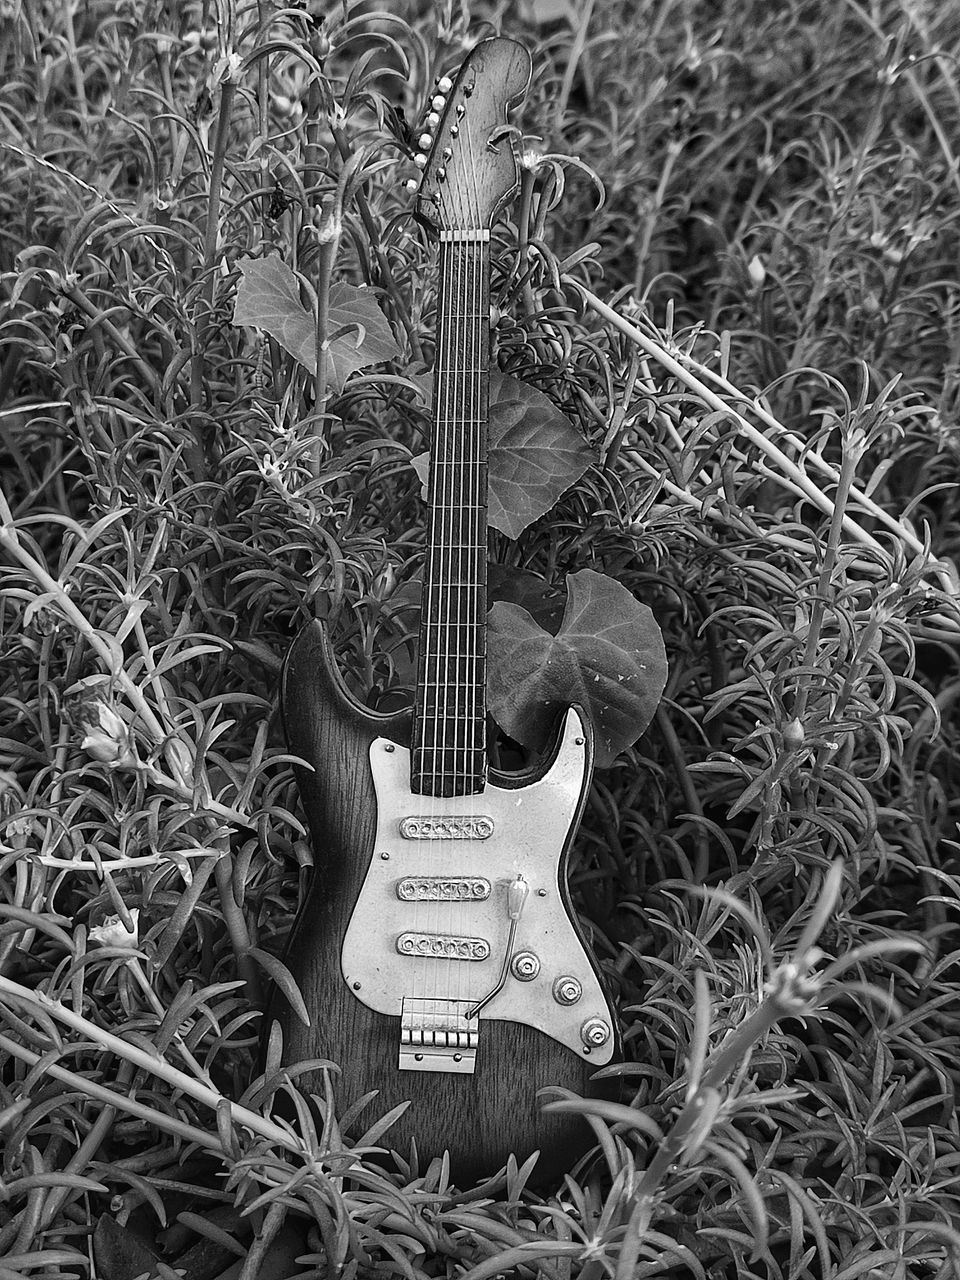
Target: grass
x,y
757,329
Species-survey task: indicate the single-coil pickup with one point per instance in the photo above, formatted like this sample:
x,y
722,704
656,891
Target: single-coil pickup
x,y
443,946
450,826
443,889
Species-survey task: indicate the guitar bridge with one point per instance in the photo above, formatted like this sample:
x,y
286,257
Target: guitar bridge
x,y
435,1035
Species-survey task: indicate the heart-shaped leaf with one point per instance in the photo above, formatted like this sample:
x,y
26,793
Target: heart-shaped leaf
x,y
534,454
607,656
519,586
369,339
268,298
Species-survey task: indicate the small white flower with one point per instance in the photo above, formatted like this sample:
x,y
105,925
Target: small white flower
x,y
114,933
107,737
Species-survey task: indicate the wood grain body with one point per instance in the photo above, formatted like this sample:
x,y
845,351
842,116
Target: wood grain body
x,y
480,1118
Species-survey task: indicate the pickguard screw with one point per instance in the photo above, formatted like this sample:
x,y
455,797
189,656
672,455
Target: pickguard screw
x,y
525,966
356,986
541,893
385,857
389,747
578,741
594,1032
567,990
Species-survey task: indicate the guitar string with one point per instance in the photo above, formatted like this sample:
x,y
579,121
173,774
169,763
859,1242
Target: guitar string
x,y
455,736
428,913
444,454
475,552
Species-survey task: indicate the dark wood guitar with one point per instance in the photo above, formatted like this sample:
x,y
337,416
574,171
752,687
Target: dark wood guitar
x,y
437,949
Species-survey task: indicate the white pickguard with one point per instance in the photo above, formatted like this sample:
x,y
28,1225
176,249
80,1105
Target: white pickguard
x,y
530,828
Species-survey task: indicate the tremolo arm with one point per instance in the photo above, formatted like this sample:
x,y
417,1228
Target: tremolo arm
x,y
516,897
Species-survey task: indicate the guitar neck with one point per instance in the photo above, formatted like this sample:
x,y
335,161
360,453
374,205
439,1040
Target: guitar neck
x,y
449,726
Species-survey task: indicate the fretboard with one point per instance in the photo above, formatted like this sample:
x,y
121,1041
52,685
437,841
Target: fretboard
x,y
449,727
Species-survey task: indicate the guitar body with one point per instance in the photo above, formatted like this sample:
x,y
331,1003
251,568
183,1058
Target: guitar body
x,y
364,924
437,951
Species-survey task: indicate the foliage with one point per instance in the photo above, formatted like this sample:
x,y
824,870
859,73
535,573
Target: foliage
x,y
754,332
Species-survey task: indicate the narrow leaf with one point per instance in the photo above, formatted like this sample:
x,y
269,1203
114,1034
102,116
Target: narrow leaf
x,y
284,979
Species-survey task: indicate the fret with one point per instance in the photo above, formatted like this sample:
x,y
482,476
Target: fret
x,y
452,773
439,684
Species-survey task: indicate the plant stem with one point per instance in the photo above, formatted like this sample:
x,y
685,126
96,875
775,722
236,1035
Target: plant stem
x,y
787,466
113,1101
202,459
154,1064
329,241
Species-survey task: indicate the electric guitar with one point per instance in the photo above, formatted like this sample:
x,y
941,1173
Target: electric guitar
x,y
437,949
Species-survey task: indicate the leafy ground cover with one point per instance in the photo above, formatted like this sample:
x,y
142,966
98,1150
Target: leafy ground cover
x,y
727,300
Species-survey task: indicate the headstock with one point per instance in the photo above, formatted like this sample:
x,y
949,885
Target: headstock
x,y
466,153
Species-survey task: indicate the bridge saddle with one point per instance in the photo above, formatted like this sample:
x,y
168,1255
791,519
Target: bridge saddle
x,y
436,1035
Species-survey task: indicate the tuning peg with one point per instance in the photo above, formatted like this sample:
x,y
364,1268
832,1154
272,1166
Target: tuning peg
x,y
420,160
439,102
425,141
412,185
432,120
444,84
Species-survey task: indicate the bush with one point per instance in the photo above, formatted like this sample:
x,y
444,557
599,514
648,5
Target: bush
x,y
730,267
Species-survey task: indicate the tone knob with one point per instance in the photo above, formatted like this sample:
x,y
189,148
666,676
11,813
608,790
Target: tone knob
x,y
567,990
525,966
438,103
444,84
594,1033
425,141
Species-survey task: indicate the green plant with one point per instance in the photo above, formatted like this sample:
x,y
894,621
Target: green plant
x,y
746,356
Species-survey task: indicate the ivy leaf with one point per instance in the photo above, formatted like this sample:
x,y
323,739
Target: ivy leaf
x,y
369,338
607,656
268,298
519,586
535,454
